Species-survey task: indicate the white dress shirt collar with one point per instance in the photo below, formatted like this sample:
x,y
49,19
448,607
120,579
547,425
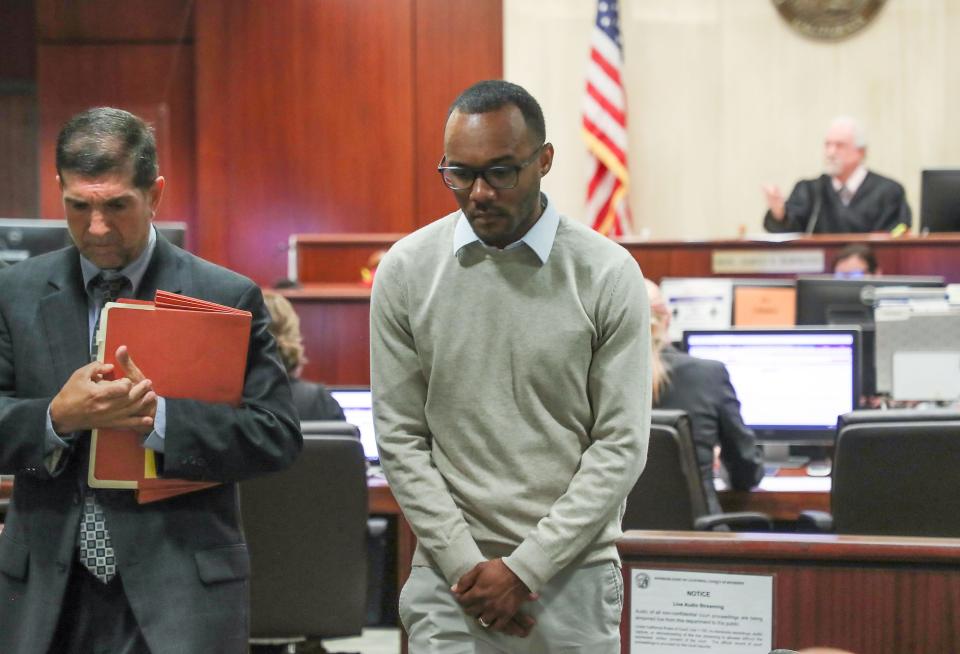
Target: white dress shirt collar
x,y
853,182
539,238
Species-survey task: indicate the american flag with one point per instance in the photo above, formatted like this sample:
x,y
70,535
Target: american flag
x,y
605,126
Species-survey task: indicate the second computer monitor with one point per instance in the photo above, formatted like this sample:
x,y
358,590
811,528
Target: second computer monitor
x,y
940,200
830,300
792,383
357,405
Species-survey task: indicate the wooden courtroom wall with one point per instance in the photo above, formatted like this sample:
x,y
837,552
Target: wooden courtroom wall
x,y
327,116
18,112
136,55
272,118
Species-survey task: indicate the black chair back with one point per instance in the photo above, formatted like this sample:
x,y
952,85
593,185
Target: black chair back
x,y
669,493
306,528
897,477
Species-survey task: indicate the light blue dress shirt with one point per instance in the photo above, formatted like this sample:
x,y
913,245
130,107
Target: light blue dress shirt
x,y
539,239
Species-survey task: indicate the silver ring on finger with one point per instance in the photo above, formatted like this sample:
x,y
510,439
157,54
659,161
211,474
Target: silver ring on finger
x,y
483,623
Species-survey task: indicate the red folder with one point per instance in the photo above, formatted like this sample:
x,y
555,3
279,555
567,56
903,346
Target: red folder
x,y
189,348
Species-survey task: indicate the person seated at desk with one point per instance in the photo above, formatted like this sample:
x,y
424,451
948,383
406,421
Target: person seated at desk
x,y
702,388
846,198
313,400
855,260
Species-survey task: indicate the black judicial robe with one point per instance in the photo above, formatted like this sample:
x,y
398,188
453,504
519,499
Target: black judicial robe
x,y
880,204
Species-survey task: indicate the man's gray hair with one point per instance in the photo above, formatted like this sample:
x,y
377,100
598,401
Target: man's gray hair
x,y
859,133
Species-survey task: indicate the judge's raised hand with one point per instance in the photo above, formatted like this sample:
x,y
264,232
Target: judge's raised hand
x,y
774,197
91,400
493,594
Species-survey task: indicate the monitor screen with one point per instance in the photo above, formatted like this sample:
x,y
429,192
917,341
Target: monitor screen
x,y
697,303
792,383
21,238
940,200
918,353
764,303
829,300
357,408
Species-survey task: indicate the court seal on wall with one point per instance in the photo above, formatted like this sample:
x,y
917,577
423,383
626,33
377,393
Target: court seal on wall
x,y
828,19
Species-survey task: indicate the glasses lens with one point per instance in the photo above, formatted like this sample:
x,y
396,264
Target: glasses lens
x,y
501,177
458,178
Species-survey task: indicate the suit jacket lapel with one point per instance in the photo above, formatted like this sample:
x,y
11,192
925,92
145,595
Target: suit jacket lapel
x,y
164,272
64,316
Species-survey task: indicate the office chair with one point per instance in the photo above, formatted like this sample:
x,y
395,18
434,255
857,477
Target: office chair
x,y
669,494
894,474
306,528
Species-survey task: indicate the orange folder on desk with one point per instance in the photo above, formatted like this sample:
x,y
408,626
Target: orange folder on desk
x,y
189,349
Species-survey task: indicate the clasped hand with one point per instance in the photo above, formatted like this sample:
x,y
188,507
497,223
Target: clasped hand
x,y
89,400
491,591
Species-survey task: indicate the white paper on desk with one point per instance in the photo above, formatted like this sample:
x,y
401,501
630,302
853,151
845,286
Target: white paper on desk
x,y
678,612
796,484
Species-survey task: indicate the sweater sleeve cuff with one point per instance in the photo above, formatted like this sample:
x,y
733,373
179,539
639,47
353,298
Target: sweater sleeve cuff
x,y
529,562
458,557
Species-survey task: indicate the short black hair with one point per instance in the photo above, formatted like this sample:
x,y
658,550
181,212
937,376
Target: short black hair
x,y
106,140
861,250
493,94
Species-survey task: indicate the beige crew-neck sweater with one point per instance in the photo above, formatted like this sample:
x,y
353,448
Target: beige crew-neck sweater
x,y
511,397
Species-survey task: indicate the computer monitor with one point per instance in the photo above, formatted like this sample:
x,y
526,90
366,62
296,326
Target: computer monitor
x,y
918,353
831,300
940,200
764,302
21,238
792,383
697,303
357,405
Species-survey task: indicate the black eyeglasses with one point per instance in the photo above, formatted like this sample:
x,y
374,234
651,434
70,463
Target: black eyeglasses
x,y
500,177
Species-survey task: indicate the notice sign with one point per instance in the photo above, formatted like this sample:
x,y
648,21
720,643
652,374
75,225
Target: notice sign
x,y
674,612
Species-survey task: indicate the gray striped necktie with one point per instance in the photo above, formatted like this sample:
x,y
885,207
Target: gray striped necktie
x,y
845,195
96,550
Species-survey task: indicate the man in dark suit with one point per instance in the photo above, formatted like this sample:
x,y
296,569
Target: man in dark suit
x,y
847,198
165,577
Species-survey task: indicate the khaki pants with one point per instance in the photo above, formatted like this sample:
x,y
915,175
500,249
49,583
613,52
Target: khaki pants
x,y
578,612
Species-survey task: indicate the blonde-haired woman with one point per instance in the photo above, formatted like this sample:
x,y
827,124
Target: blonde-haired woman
x,y
702,388
313,400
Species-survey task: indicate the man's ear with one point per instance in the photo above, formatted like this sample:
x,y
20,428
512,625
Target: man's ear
x,y
156,193
546,159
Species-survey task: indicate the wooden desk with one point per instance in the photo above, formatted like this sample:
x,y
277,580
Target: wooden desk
x,y
334,307
331,258
335,322
381,501
782,496
876,595
907,255
781,502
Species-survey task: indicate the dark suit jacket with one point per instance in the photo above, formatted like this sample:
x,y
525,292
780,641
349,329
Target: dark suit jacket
x,y
183,561
314,402
878,206
702,388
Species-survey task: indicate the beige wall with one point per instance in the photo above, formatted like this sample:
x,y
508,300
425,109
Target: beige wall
x,y
723,96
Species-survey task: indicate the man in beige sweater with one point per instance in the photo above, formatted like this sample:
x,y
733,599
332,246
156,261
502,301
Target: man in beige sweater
x,y
510,355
